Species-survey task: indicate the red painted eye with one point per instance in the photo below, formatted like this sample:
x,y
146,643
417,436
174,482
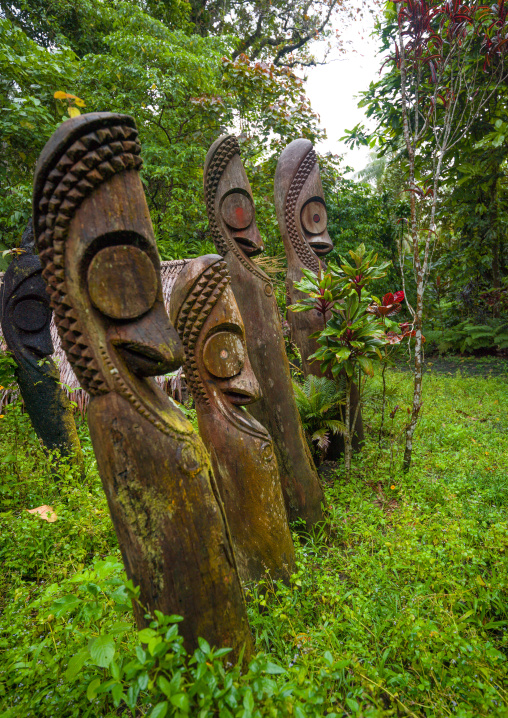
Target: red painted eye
x,y
314,217
238,210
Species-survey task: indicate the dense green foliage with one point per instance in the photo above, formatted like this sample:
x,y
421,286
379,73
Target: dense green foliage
x,y
398,605
469,249
182,88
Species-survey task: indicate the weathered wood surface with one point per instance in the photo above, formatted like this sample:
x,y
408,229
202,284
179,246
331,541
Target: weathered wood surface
x,y
302,217
25,316
169,273
237,239
221,380
89,206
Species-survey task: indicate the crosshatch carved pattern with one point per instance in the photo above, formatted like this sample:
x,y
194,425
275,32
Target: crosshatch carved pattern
x,y
222,157
87,163
193,314
305,254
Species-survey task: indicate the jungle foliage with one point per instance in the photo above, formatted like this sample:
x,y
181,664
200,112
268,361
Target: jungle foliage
x,y
460,52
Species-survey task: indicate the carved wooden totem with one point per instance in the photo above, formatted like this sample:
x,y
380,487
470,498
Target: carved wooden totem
x,y
25,316
102,268
302,217
235,234
220,377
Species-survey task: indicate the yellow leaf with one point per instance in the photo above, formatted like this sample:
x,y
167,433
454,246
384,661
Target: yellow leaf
x,y
59,95
480,581
73,112
45,512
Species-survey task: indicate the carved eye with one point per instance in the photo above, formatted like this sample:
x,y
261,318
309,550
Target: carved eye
x,y
314,217
224,355
238,210
31,315
122,282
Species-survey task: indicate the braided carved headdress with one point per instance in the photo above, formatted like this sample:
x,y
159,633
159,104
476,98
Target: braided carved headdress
x,y
101,263
82,154
230,206
300,205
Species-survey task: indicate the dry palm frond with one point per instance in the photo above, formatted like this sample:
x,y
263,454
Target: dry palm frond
x,y
273,266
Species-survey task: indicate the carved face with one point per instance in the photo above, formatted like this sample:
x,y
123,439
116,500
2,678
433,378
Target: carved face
x,y
313,220
229,200
207,317
224,364
300,204
102,264
120,278
25,310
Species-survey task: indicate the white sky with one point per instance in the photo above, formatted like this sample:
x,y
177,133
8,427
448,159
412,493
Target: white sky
x,y
332,90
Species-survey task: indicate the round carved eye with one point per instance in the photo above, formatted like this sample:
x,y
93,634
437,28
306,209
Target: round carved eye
x,y
31,315
314,217
238,210
122,282
224,355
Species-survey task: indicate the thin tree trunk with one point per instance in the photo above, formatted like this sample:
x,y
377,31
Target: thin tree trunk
x,y
383,407
418,375
347,429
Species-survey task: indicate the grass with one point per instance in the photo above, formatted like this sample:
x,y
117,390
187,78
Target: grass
x,y
399,606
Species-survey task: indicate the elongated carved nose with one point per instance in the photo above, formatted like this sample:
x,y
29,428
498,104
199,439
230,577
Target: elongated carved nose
x,y
150,346
243,388
321,244
249,240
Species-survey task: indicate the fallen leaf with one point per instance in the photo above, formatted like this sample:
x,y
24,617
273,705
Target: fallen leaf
x,y
45,512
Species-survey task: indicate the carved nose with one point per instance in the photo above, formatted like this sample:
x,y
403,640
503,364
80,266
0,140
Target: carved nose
x,y
40,343
243,388
149,346
321,244
249,240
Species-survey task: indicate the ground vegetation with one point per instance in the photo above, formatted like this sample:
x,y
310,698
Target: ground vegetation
x,y
398,605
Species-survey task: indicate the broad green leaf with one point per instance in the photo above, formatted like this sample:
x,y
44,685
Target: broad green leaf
x,y
91,691
160,710
102,651
76,663
180,700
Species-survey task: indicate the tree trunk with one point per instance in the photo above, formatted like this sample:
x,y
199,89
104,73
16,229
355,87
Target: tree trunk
x,y
348,431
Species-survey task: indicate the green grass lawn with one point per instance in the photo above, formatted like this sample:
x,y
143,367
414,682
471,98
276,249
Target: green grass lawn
x,y
399,606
